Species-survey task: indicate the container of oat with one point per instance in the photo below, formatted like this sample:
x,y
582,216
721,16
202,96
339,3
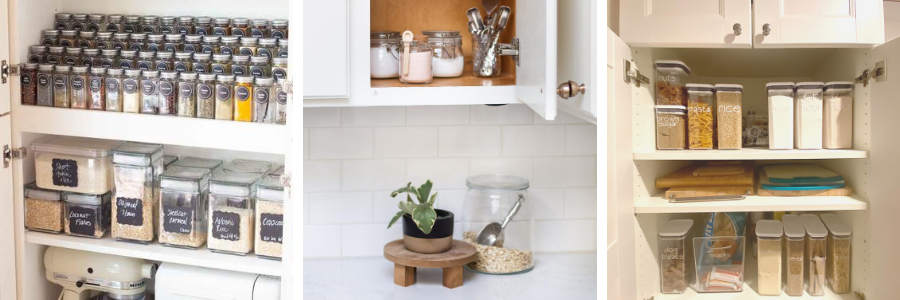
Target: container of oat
x,y
491,198
74,164
183,195
133,207
768,235
676,262
213,165
671,127
248,166
87,215
838,254
269,233
816,259
729,116
231,213
43,209
794,254
671,79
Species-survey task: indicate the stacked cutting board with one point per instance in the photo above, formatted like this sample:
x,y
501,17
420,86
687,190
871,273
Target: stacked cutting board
x,y
791,180
732,180
706,179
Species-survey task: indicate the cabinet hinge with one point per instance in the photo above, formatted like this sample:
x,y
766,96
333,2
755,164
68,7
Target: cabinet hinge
x,y
9,154
634,75
859,296
879,73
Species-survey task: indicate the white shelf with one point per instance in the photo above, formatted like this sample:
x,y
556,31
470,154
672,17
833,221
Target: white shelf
x,y
657,205
421,96
192,132
195,257
748,154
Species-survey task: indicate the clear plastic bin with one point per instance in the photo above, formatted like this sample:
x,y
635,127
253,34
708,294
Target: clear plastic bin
x,y
269,219
72,164
794,253
729,116
231,207
808,115
720,264
183,199
676,263
781,115
137,166
701,115
816,259
837,122
671,127
43,209
87,215
671,77
769,233
838,252
248,166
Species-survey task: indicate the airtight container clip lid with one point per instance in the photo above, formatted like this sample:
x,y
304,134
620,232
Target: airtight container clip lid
x,y
233,184
671,109
676,228
672,65
793,226
270,189
838,86
76,146
769,229
779,86
727,87
809,86
32,191
185,179
814,226
137,154
88,199
700,88
835,225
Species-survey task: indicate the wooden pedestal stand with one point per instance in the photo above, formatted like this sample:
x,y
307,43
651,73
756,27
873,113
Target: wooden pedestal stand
x,y
452,261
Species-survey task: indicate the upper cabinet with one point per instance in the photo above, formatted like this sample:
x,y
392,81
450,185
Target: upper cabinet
x,y
678,23
817,23
326,49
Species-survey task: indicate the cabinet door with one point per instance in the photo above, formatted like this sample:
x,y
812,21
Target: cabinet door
x,y
326,49
7,221
536,73
577,58
818,23
676,23
4,56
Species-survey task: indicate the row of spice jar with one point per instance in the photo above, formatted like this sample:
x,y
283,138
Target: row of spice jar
x,y
437,53
206,95
221,26
56,42
711,119
185,202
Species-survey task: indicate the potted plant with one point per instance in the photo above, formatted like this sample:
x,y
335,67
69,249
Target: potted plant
x,y
425,229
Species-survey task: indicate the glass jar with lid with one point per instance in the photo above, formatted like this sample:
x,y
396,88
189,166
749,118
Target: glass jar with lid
x,y
87,215
248,46
416,66
127,59
729,117
384,54
259,28
201,63
164,61
280,67
73,56
61,75
229,45
222,26
168,92
240,27
68,38
183,61
701,101
167,25
150,92
269,219
185,25
132,24
183,196
267,47
794,254
136,41
808,115
259,66
263,107
769,237
240,65
214,166
131,87
86,39
120,41
63,21
155,42
192,43
231,212
281,99
225,97
671,127
136,166
96,22
115,95
206,96
838,253
283,47
79,22
90,57
279,29
187,95
243,94
447,54
45,85
676,261
74,164
500,199
97,87
113,23
145,60
815,254
103,40
55,55
210,44
50,37
240,165
221,64
109,58
150,24
671,77
173,42
78,87
837,122
43,209
28,85
204,26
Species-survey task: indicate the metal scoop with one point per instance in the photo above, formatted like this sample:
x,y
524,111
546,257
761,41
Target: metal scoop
x,y
492,233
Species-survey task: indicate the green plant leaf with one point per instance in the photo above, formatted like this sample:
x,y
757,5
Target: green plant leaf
x,y
424,216
407,189
424,190
396,217
407,207
433,196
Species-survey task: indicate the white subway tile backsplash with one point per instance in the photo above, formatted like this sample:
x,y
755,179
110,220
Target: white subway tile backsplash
x,y
321,175
469,141
517,166
340,208
321,117
321,240
581,139
445,173
566,235
402,142
437,115
575,171
305,208
452,201
368,239
305,143
533,140
547,204
341,143
385,206
373,116
581,203
373,174
501,115
561,118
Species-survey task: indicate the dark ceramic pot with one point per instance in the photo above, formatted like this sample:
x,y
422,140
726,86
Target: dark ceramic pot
x,y
438,240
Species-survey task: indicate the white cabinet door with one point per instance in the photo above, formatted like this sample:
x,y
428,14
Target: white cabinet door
x,y
536,73
326,49
679,23
4,57
577,57
7,221
817,23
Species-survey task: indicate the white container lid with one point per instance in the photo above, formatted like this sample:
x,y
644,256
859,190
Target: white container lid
x,y
793,226
815,85
184,179
233,184
838,86
728,87
77,146
270,189
700,88
814,226
769,228
137,154
87,198
676,228
671,109
34,192
836,225
672,65
779,86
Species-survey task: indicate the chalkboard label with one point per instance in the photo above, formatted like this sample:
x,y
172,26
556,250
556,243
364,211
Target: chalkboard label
x,y
148,29
59,82
43,80
262,95
47,42
106,63
219,31
129,211
190,48
264,52
242,93
136,47
281,97
102,45
279,73
148,87
53,60
271,228
144,65
237,32
96,84
77,83
112,85
131,86
71,61
112,28
153,47
199,68
226,50
223,93
94,27
82,220
129,29
256,33
65,43
256,71
65,172
201,31
283,53
184,30
125,64
181,67
87,61
118,45
246,51
204,91
26,80
177,219
238,70
60,26
84,44
185,90
171,47
78,26
226,225
207,48
278,34
165,29
162,66
166,88
218,69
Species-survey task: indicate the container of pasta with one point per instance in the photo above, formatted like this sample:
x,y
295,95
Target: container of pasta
x,y
73,164
700,105
671,76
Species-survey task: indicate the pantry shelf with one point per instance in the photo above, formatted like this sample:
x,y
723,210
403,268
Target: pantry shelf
x,y
657,205
425,95
156,252
192,132
748,154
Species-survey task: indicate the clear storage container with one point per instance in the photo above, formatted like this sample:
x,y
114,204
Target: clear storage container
x,y
269,234
768,234
45,85
671,127
795,254
131,91
61,76
808,115
838,254
87,215
837,122
248,166
815,254
231,212
491,198
701,101
150,96
671,78
183,196
213,165
134,205
676,261
43,209
781,115
447,55
115,94
720,263
78,90
729,116
415,67
73,164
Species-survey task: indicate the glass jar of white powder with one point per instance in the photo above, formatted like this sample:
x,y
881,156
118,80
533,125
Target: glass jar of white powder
x,y
808,115
384,54
415,60
837,125
781,115
447,55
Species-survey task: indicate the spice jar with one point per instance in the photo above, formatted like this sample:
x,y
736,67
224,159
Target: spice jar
x,y
132,24
263,108
55,55
416,66
136,42
167,25
150,92
115,94
239,165
808,115
28,84
78,91
50,38
187,98
201,63
267,47
700,115
155,42
279,68
185,25
127,59
676,256
68,38
173,42
248,46
795,254
136,167
86,39
269,219
73,56
222,26
150,24
259,66
131,87
229,45
281,96
243,91
120,41
168,92
240,65
37,53
164,61
103,40
95,22
204,26
225,97
183,205
283,48
192,43
837,253
183,61
214,166
837,123
221,64
61,85
79,22
240,27
97,89
384,54
279,29
671,124
768,234
815,254
113,23
231,213
206,102
145,60
90,57
43,209
87,215
45,85
63,21
259,28
108,58
72,164
671,77
728,115
277,173
210,44
491,198
447,55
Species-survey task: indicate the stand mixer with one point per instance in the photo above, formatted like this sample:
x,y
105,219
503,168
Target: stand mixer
x,y
79,272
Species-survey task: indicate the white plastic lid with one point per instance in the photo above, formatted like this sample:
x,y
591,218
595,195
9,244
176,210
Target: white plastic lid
x,y
137,154
793,226
779,86
728,87
85,147
809,85
87,198
270,189
34,192
835,225
769,229
233,184
671,109
184,179
672,65
700,88
838,86
814,226
676,228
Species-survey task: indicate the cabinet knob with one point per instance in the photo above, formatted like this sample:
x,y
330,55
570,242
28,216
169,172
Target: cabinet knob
x,y
569,89
767,29
737,28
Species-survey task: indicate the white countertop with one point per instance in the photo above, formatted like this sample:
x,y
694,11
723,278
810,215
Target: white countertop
x,y
555,276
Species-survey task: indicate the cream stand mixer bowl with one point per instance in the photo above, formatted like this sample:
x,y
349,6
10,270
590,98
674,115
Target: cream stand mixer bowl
x,y
80,272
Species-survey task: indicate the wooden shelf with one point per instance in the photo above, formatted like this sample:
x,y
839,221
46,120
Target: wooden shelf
x,y
658,205
195,257
507,77
748,154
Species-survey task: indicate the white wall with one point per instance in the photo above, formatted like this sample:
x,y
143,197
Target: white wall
x,y
354,157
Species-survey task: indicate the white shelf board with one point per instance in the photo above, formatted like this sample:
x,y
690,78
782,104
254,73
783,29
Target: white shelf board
x,y
748,154
195,257
171,130
421,96
657,205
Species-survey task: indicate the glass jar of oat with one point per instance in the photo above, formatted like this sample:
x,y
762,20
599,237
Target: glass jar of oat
x,y
72,164
269,219
815,254
671,127
43,209
491,198
729,115
676,256
231,206
838,253
136,166
183,196
701,101
768,234
795,254
87,215
671,77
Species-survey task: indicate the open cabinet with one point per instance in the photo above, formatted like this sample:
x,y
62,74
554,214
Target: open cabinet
x,y
640,209
21,266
